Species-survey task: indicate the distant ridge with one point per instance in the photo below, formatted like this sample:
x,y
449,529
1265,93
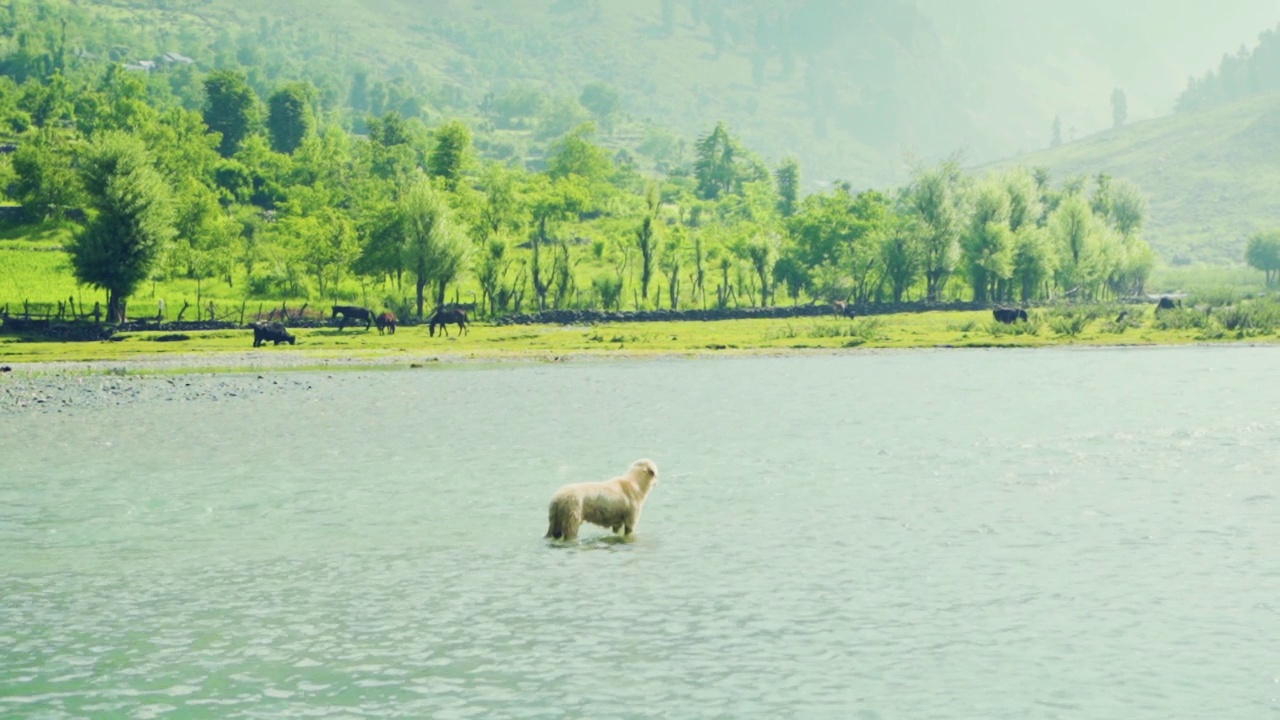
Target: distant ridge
x,y
1212,176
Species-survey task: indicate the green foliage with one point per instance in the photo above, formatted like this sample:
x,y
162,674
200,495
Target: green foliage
x,y
449,155
1183,318
1263,253
1070,322
289,118
231,108
603,100
46,184
132,220
432,248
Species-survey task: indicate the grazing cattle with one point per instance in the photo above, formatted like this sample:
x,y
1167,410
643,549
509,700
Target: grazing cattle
x,y
386,322
1009,316
1124,315
840,308
272,332
444,317
352,312
1168,303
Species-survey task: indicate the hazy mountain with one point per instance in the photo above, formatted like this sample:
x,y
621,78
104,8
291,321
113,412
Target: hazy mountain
x,y
851,87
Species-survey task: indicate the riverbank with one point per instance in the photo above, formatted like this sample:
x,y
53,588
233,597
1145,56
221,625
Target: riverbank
x,y
413,347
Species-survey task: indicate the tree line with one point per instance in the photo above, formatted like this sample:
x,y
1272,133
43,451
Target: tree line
x,y
1244,72
271,194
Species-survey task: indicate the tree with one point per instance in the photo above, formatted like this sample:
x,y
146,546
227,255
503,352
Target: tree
x,y
603,101
1263,253
231,108
432,249
1033,261
551,201
1128,208
986,244
1119,108
205,235
1071,228
575,154
646,242
672,254
932,200
448,156
289,117
501,203
132,218
788,179
716,165
1055,139
47,184
903,257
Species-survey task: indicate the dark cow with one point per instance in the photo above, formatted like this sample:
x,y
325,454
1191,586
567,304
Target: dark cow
x,y
444,317
1168,303
271,332
1009,316
352,312
386,322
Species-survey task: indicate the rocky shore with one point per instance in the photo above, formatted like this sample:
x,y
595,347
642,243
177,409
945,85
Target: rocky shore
x,y
64,392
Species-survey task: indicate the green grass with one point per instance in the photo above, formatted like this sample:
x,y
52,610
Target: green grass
x,y
233,348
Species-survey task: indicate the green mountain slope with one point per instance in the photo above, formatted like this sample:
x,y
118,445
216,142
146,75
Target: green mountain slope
x,y
1212,176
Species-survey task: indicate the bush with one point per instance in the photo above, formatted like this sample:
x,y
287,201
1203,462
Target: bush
x,y
1032,326
1181,319
1070,322
1257,317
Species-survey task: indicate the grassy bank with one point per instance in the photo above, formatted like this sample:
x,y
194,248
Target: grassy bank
x,y
233,348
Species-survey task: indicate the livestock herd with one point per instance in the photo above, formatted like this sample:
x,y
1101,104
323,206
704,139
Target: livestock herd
x,y
386,321
456,314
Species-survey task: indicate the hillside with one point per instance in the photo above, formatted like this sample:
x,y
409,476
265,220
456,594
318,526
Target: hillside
x,y
850,87
1211,175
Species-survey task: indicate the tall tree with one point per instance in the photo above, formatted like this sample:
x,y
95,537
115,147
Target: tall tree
x,y
1263,253
788,179
449,154
432,248
603,101
933,200
716,165
1119,107
289,118
987,243
231,108
646,241
132,218
1055,137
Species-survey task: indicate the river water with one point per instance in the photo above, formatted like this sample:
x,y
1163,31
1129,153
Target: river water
x,y
960,534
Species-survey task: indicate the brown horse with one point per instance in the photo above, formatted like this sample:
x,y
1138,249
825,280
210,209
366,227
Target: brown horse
x,y
386,321
444,316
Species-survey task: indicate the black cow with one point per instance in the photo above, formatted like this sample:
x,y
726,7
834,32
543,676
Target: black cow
x,y
272,332
1167,303
1009,316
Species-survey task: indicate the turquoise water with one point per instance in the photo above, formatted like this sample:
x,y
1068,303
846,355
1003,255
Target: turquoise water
x,y
992,534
